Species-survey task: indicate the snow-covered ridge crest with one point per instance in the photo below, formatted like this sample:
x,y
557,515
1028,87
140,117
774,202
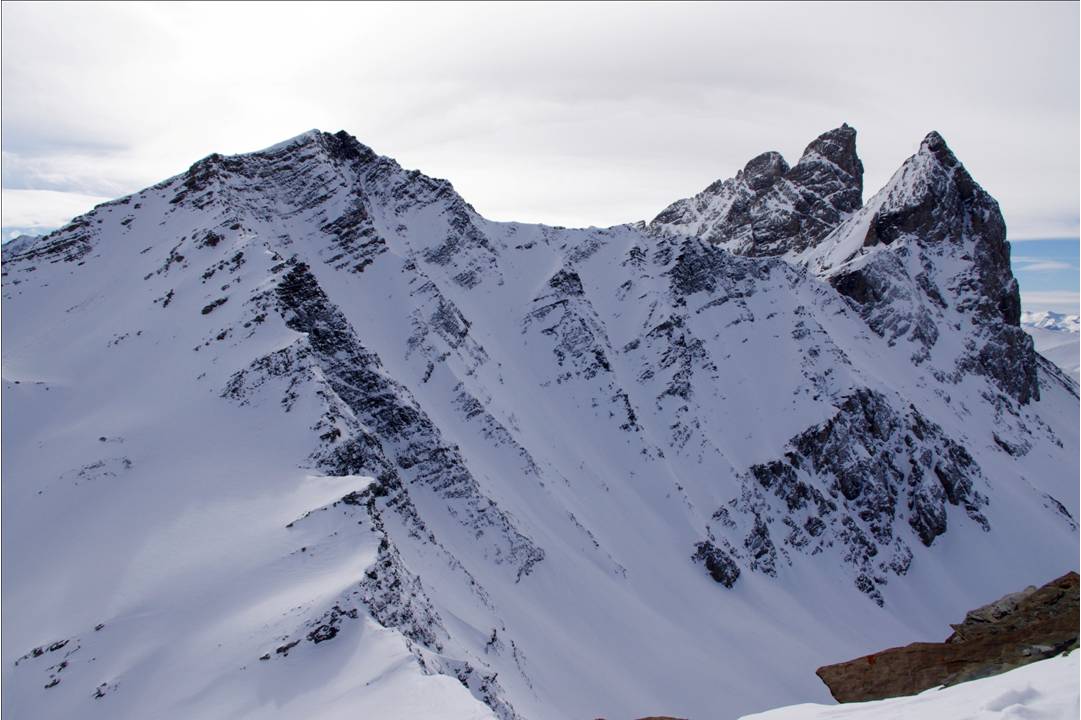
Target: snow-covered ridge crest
x,y
594,444
297,172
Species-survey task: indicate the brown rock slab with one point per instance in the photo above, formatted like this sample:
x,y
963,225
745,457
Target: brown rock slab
x,y
1018,629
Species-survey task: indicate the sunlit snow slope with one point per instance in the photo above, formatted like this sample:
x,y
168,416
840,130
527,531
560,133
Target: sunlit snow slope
x,y
298,433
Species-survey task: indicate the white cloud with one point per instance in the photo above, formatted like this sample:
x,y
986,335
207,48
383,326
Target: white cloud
x,y
1042,266
569,114
43,209
1058,301
1031,226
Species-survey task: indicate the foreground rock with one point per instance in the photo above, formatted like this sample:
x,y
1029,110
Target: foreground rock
x,y
1043,690
1018,629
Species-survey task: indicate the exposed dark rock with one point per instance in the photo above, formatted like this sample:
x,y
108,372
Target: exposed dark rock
x,y
566,283
343,146
1018,629
284,649
580,343
845,484
933,209
210,307
483,686
720,565
323,632
771,209
357,379
764,170
356,244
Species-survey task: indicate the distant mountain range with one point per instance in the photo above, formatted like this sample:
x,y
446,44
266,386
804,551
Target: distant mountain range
x,y
1057,338
1048,320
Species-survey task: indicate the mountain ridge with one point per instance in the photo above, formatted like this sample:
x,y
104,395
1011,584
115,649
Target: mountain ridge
x,y
500,445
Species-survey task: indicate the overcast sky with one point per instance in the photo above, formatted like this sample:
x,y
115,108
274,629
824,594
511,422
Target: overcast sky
x,y
568,114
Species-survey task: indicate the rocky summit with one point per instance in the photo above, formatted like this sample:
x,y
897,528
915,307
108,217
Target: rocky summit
x,y
300,433
772,209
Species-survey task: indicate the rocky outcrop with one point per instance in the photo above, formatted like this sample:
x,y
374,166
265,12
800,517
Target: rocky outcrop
x,y
850,484
405,432
722,568
1018,629
769,208
929,250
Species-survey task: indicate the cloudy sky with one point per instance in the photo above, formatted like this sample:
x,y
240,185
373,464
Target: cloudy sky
x,y
566,114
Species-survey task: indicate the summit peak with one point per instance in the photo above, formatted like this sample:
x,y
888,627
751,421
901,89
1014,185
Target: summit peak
x,y
770,208
763,170
839,147
340,144
935,145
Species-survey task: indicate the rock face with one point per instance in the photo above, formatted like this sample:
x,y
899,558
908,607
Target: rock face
x,y
1018,629
852,482
947,264
771,209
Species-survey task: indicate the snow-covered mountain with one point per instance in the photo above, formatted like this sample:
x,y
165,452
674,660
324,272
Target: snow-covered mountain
x,y
1050,320
19,244
1057,337
299,433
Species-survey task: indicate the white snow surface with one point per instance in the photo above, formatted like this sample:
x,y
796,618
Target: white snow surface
x,y
1045,690
170,513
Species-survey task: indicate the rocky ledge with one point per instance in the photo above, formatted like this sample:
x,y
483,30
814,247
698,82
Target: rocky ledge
x,y
1015,630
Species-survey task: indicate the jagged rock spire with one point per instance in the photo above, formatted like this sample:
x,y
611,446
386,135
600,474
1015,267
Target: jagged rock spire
x,y
762,171
839,147
933,208
933,199
770,208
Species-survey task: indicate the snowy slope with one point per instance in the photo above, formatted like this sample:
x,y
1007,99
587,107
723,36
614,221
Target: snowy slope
x,y
308,406
1047,690
1061,348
